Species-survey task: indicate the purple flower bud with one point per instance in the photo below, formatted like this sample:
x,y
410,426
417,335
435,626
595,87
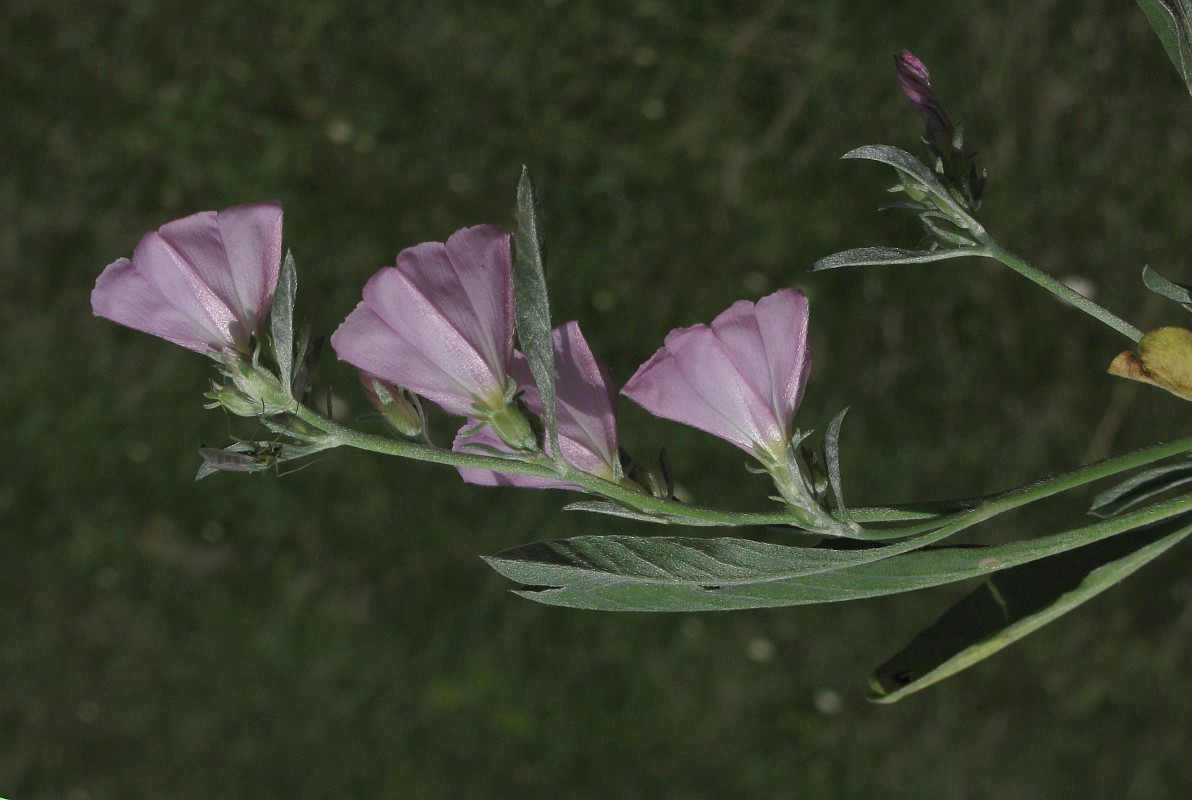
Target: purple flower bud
x,y
205,282
915,81
740,378
584,400
440,323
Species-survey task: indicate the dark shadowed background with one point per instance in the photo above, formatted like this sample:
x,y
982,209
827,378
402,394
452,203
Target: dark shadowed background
x,y
333,632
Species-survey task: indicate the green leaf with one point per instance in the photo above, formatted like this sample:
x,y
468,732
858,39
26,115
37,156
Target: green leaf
x,y
914,169
1172,21
1140,488
532,308
588,561
1016,603
281,319
889,256
1177,293
628,573
614,510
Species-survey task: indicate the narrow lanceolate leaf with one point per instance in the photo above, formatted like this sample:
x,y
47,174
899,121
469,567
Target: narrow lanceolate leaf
x,y
614,510
1140,488
889,256
1172,21
1015,603
1175,292
281,319
591,561
617,510
914,169
530,300
627,573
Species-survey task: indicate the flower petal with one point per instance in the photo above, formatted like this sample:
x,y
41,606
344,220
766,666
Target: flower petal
x,y
395,334
584,403
741,378
440,323
251,236
205,281
124,295
483,477
585,397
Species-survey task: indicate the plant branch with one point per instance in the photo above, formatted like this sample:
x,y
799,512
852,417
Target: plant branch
x,y
995,251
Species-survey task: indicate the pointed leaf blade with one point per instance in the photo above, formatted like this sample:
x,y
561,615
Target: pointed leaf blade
x,y
531,302
624,573
281,319
890,256
914,169
589,561
1016,603
1174,292
613,510
1140,488
1171,20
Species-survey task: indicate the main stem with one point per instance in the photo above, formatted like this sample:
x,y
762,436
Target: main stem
x,y
675,512
666,510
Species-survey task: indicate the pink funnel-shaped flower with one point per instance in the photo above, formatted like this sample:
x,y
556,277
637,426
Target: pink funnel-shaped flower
x,y
740,378
584,400
440,323
205,282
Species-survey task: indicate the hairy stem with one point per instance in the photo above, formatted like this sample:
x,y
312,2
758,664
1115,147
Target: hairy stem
x,y
671,511
995,251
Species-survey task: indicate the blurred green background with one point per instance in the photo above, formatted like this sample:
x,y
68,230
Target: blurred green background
x,y
333,633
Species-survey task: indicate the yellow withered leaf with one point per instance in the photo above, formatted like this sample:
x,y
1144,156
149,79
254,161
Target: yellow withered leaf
x,y
1163,359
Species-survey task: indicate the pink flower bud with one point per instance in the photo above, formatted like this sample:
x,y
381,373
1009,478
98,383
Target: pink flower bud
x,y
915,81
205,282
740,378
584,400
440,323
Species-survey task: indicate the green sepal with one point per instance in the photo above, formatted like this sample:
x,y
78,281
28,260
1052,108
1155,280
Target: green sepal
x,y
942,230
656,479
